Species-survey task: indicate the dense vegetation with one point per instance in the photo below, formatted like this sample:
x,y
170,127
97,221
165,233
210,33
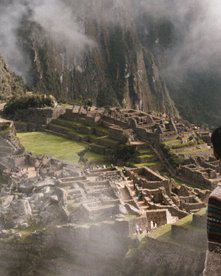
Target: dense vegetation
x,y
10,84
173,159
124,153
29,100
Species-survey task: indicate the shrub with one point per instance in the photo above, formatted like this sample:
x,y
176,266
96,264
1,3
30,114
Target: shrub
x,y
188,144
173,159
124,153
29,100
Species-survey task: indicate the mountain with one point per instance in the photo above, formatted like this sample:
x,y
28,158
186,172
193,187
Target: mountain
x,y
145,55
104,61
186,51
118,71
10,84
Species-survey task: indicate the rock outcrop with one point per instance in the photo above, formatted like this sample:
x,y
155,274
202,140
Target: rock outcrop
x,y
10,84
176,250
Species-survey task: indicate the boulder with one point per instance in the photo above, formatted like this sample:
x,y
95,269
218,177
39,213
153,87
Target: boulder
x,y
18,213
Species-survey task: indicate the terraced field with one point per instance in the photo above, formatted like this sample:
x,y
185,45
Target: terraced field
x,y
64,139
146,157
58,147
187,146
177,249
5,148
193,223
96,138
99,141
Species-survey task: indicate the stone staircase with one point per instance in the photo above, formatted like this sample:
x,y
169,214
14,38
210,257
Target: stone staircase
x,y
96,138
146,156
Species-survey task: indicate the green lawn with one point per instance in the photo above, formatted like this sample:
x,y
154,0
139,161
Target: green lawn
x,y
161,232
145,151
147,164
186,221
193,150
146,156
41,143
171,142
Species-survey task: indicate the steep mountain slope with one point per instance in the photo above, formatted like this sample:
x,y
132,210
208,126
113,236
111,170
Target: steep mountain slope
x,y
10,84
126,53
118,71
171,250
189,60
198,97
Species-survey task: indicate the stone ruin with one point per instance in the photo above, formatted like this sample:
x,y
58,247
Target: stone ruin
x,y
46,191
161,199
82,207
78,195
151,128
205,171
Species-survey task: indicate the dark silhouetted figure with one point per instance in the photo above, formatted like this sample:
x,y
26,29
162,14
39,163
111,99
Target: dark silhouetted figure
x,y
213,255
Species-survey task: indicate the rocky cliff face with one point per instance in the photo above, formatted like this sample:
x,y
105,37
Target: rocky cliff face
x,y
115,70
10,84
119,53
188,58
118,71
179,251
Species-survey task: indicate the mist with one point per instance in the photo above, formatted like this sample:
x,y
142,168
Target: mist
x,y
10,18
199,30
197,25
58,22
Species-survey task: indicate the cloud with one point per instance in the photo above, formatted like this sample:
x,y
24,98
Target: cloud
x,y
61,24
56,19
197,26
9,49
198,48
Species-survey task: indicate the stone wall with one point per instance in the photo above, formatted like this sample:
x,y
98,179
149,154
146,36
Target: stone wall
x,y
20,257
117,134
27,126
177,212
147,135
115,121
142,222
69,115
67,250
199,221
168,134
148,179
7,128
19,160
174,210
192,206
195,176
39,116
158,217
61,132
212,164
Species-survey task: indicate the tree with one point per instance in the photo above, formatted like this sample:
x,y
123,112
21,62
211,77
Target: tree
x,y
29,100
